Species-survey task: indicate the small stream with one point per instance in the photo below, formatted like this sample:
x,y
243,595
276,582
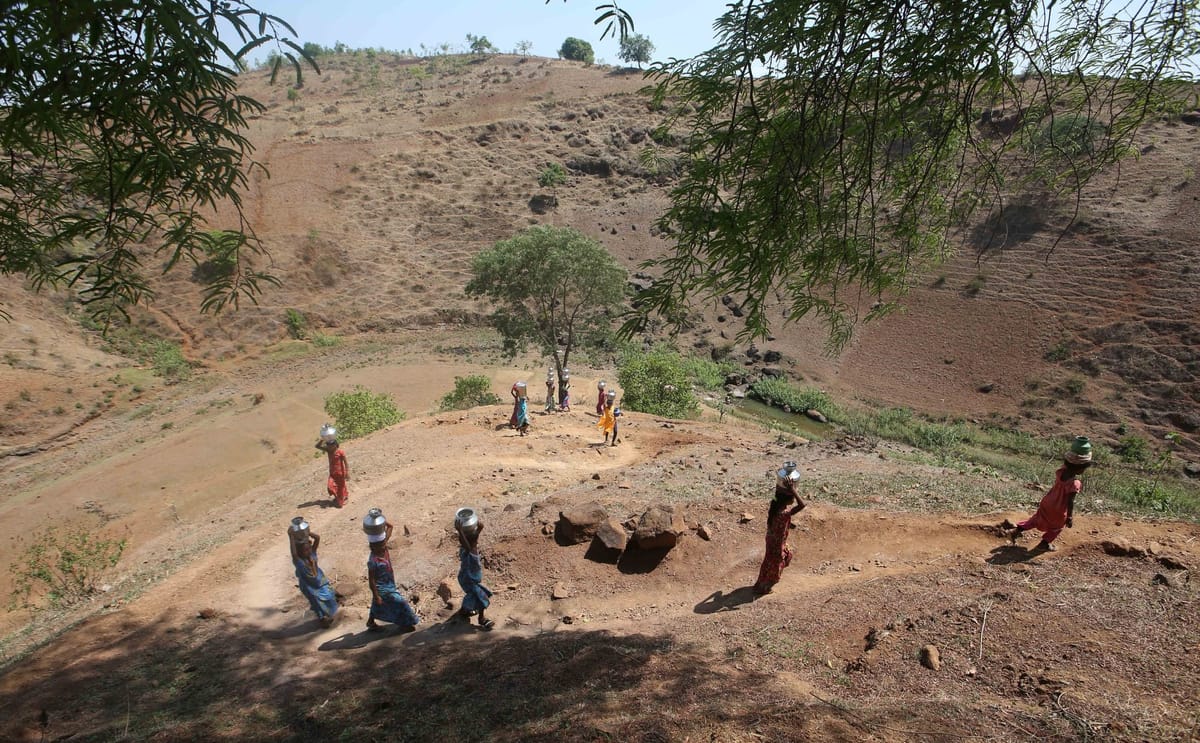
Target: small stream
x,y
796,423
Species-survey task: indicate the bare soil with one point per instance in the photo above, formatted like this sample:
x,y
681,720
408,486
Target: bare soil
x,y
383,185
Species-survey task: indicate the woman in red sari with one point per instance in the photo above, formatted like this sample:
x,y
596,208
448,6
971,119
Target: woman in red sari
x,y
779,523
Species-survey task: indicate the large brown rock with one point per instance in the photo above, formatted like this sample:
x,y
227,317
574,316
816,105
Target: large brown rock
x,y
659,528
579,524
612,535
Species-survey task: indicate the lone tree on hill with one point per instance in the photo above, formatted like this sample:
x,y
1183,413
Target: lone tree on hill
x,y
523,46
118,122
552,285
836,148
635,48
577,50
480,45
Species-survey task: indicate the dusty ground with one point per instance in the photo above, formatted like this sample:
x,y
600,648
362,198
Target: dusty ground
x,y
384,182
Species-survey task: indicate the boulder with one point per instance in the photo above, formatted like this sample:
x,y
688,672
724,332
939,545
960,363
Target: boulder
x,y
816,415
559,592
772,357
931,658
986,387
542,203
659,528
612,535
1191,469
578,525
1190,117
705,532
772,371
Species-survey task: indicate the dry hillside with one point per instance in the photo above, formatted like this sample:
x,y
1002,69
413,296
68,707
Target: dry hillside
x,y
386,176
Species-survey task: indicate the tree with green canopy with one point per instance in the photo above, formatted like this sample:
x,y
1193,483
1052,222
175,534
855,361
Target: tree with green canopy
x,y
839,147
552,286
577,50
635,48
120,125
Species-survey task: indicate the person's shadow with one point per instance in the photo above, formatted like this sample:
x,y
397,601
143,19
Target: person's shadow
x,y
731,601
353,640
325,503
1007,554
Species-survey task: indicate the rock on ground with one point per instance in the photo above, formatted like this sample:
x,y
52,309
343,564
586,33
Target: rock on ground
x,y
931,658
612,535
659,528
578,525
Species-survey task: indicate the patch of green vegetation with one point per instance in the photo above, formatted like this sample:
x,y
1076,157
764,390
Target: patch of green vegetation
x,y
1060,351
657,382
290,349
61,567
359,412
779,393
706,374
469,391
297,324
323,340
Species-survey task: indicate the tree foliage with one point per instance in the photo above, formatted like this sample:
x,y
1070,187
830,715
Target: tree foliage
x,y
121,120
837,147
577,50
480,45
657,382
552,286
635,48
523,46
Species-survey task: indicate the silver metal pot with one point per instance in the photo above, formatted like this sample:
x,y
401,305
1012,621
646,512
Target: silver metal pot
x,y
467,519
374,523
522,390
328,433
788,473
299,529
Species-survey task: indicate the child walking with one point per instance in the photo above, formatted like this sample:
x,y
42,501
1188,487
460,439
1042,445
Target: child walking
x,y
470,572
1058,506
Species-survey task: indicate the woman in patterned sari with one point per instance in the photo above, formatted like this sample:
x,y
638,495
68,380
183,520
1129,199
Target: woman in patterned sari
x,y
311,580
387,603
779,523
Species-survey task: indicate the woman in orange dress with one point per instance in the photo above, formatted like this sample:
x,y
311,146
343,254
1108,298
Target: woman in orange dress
x,y
339,468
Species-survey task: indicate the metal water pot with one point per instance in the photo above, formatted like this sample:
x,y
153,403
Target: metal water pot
x,y
788,473
522,390
299,529
374,523
467,519
328,433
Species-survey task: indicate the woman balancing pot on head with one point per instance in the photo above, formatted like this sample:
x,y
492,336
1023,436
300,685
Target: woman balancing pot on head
x,y
387,604
339,468
601,386
311,580
779,523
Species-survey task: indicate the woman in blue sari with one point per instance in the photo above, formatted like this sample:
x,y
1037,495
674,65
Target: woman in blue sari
x,y
387,603
470,575
311,580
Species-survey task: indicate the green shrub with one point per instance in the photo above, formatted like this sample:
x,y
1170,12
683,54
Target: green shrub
x,y
1071,134
577,50
469,392
169,363
62,567
705,374
297,324
656,382
1074,385
553,176
1060,351
321,340
779,394
361,411
1134,449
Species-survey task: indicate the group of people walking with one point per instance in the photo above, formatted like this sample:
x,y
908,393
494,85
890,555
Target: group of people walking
x,y
388,604
1055,512
606,408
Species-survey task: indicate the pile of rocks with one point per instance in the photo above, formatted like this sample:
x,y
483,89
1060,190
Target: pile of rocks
x,y
658,528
